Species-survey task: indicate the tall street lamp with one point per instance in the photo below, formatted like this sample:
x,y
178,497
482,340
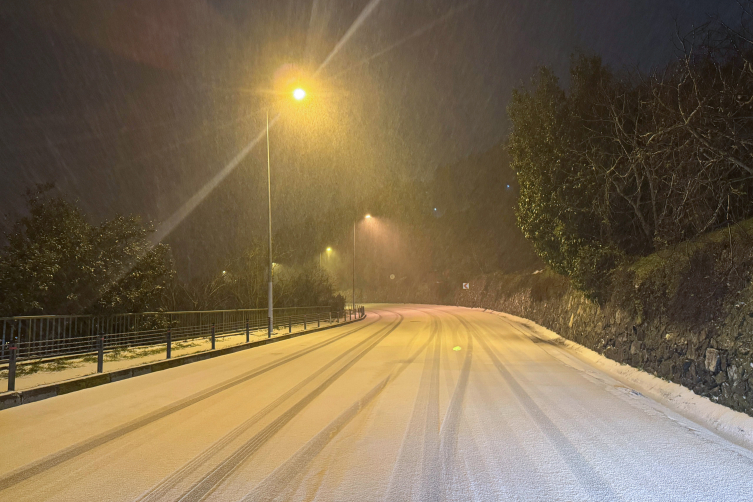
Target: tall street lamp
x,y
368,217
298,95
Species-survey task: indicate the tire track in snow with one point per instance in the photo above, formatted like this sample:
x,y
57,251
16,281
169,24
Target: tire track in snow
x,y
280,484
170,482
624,441
50,461
414,454
452,481
276,486
503,480
596,487
430,486
212,480
509,474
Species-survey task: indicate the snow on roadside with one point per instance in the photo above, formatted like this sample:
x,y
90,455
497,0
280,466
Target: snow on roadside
x,y
38,373
730,424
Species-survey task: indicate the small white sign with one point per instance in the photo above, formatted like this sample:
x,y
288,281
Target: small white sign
x,y
466,285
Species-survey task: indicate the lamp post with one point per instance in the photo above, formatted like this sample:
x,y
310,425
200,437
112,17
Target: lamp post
x,y
298,95
368,216
270,300
354,264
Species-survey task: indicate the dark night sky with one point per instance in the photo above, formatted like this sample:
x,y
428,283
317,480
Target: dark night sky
x,y
134,106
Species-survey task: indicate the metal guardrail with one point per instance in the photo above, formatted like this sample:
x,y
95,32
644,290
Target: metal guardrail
x,y
51,337
39,337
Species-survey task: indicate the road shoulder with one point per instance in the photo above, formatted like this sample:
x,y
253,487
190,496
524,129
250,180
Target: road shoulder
x,y
732,425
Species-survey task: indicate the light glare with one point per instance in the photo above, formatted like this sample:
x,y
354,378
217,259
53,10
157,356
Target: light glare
x,y
299,94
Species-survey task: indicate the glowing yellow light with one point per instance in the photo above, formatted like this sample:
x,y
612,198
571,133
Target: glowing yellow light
x,y
299,94
456,349
329,249
368,216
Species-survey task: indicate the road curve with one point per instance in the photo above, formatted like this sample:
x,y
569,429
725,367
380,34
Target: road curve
x,y
415,403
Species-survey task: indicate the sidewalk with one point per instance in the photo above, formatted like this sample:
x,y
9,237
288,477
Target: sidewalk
x,y
33,374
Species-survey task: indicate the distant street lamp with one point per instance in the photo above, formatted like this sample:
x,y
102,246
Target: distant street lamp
x,y
298,95
368,217
329,250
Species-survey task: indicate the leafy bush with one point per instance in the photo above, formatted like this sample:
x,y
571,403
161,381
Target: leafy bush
x,y
56,262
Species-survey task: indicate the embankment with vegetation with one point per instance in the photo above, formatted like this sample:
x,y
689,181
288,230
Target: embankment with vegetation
x,y
636,191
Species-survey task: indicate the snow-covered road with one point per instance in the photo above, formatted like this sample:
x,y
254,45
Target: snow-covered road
x,y
413,403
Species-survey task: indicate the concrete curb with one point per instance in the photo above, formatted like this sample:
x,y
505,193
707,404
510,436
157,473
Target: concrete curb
x,y
17,398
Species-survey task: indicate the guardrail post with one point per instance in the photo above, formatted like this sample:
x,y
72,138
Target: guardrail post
x,y
290,325
247,335
330,317
304,322
169,342
212,336
100,352
318,320
12,364
338,316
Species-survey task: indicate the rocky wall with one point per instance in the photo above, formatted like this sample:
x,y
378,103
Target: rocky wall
x,y
712,357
